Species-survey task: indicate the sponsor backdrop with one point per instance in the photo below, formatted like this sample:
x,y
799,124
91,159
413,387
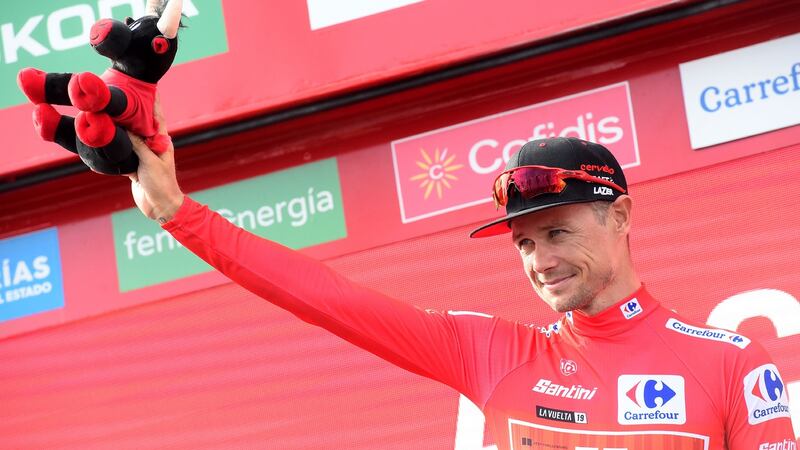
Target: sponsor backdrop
x,y
448,169
243,57
30,280
727,99
298,207
212,366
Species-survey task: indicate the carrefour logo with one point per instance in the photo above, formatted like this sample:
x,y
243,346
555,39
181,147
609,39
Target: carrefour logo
x,y
707,333
651,399
30,274
742,92
54,36
765,394
630,308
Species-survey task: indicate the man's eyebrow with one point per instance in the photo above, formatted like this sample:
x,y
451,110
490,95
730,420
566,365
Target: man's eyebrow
x,y
551,224
548,225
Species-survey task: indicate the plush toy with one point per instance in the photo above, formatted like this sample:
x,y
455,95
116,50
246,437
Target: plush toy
x,y
120,99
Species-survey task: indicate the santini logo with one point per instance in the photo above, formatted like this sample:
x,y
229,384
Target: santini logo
x,y
765,395
707,333
576,391
786,444
651,399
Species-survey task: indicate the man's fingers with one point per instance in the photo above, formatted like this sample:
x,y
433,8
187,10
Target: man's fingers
x,y
142,150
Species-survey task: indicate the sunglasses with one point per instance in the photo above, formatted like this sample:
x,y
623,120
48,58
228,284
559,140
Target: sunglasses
x,y
531,181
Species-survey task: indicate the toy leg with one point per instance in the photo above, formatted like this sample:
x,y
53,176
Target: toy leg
x,y
95,129
53,127
88,92
43,87
116,155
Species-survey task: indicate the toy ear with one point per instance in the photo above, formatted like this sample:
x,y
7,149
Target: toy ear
x,y
128,20
159,44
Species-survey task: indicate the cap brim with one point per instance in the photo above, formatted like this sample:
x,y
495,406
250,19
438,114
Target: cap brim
x,y
501,225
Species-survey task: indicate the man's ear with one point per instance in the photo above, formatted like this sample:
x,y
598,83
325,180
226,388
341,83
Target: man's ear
x,y
621,214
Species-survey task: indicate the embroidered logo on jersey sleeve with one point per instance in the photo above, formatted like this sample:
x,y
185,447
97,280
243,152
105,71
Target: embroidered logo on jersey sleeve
x,y
707,333
651,399
765,395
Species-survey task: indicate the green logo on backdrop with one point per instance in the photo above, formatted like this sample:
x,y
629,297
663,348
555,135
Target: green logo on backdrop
x,y
53,35
298,207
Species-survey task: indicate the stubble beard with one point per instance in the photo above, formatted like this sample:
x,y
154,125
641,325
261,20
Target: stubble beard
x,y
584,294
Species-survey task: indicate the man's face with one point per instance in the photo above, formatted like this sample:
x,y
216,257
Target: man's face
x,y
569,256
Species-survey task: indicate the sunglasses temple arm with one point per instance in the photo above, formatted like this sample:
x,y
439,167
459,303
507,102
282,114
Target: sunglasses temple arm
x,y
589,178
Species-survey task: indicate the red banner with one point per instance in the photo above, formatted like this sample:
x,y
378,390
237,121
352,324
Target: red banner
x,y
283,53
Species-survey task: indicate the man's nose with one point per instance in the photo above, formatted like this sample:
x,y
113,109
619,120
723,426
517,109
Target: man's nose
x,y
542,259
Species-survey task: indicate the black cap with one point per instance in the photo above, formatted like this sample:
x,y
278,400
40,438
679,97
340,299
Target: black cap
x,y
564,153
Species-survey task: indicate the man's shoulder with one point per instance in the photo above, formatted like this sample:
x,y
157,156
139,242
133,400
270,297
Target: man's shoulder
x,y
697,342
707,348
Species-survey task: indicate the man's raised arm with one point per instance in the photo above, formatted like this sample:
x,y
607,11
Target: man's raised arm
x,y
451,349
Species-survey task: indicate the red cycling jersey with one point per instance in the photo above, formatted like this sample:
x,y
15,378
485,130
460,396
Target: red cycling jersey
x,y
636,376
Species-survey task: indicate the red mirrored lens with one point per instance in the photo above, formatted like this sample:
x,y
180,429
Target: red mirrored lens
x,y
500,193
533,181
529,182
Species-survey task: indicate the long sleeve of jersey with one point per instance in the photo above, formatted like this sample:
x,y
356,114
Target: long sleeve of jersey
x,y
438,345
635,376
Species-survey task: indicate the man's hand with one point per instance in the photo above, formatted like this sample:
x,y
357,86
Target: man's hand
x,y
154,185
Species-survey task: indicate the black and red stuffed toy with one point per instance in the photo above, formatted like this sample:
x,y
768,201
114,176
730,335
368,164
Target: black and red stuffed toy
x,y
120,99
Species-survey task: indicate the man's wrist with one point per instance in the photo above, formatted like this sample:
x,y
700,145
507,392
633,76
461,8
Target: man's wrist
x,y
165,213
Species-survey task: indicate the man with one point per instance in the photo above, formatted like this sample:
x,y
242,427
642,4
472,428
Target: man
x,y
617,371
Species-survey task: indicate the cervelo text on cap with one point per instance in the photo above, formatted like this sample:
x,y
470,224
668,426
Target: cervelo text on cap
x,y
564,153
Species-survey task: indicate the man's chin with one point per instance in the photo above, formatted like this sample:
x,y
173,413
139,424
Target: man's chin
x,y
557,303
565,303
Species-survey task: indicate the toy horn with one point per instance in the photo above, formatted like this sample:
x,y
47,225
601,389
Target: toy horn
x,y
171,18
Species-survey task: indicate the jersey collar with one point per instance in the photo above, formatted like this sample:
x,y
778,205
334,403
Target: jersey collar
x,y
616,319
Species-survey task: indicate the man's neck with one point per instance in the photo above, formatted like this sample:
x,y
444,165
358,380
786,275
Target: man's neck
x,y
623,285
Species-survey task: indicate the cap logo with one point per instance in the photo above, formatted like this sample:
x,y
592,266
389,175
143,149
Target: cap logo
x,y
597,168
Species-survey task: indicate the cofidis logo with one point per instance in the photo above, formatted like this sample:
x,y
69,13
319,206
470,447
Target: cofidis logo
x,y
30,274
453,168
651,399
765,395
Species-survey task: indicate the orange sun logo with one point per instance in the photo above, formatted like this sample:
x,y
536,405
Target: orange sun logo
x,y
436,172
